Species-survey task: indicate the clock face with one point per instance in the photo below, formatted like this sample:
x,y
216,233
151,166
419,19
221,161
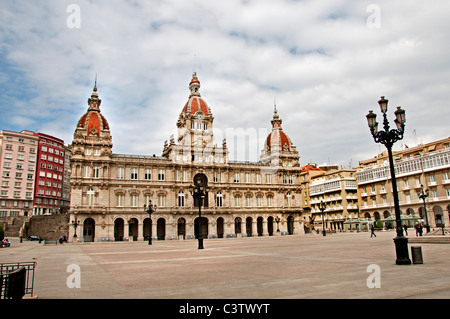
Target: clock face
x,y
200,180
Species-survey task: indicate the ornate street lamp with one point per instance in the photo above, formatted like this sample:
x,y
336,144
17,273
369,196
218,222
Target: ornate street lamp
x,y
200,191
75,224
277,219
149,210
423,195
388,137
322,208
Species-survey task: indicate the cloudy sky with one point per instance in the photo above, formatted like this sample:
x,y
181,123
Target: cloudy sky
x,y
324,63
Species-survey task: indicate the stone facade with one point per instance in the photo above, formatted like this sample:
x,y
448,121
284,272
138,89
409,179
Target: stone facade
x,y
109,191
48,227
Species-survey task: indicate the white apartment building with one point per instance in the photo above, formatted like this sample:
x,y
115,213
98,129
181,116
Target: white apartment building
x,y
423,169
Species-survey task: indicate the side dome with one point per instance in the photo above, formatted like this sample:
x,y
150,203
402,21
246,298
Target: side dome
x,y
278,148
277,138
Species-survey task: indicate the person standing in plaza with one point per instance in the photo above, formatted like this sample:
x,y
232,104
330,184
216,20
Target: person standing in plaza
x,y
405,227
372,231
418,229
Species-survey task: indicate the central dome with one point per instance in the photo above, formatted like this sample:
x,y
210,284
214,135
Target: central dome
x,y
195,103
93,121
278,137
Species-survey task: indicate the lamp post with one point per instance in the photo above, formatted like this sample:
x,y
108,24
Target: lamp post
x,y
277,219
75,224
388,137
149,210
200,191
322,208
423,195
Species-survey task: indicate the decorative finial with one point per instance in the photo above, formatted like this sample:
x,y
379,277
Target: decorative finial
x,y
195,63
94,102
276,121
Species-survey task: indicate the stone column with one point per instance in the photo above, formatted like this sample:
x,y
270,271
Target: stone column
x,y
140,231
228,227
154,229
171,230
126,230
254,228
265,228
190,234
212,228
283,225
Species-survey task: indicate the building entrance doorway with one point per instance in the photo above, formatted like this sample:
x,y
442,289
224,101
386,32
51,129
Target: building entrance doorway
x,y
220,227
181,228
133,229
88,230
147,228
290,225
118,229
161,229
248,226
259,226
270,225
237,226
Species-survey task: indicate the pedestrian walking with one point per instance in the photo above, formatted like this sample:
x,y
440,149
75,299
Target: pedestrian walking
x,y
405,227
420,230
372,231
417,229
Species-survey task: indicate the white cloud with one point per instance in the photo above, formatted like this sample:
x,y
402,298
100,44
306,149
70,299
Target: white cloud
x,y
319,60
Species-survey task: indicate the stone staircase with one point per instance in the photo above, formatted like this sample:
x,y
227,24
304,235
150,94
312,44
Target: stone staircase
x,y
13,225
435,236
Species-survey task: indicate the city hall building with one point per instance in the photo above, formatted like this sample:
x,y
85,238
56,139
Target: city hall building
x,y
109,191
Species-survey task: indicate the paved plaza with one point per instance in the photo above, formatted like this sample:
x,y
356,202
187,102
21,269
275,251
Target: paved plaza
x,y
342,265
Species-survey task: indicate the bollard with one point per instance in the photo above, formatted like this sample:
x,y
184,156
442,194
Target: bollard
x,y
416,252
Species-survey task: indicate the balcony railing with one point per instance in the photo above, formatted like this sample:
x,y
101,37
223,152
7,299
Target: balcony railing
x,y
10,278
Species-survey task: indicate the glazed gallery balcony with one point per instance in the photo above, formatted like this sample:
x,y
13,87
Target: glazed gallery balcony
x,y
413,165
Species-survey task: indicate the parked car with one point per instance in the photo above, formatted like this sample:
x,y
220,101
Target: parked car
x,y
34,238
